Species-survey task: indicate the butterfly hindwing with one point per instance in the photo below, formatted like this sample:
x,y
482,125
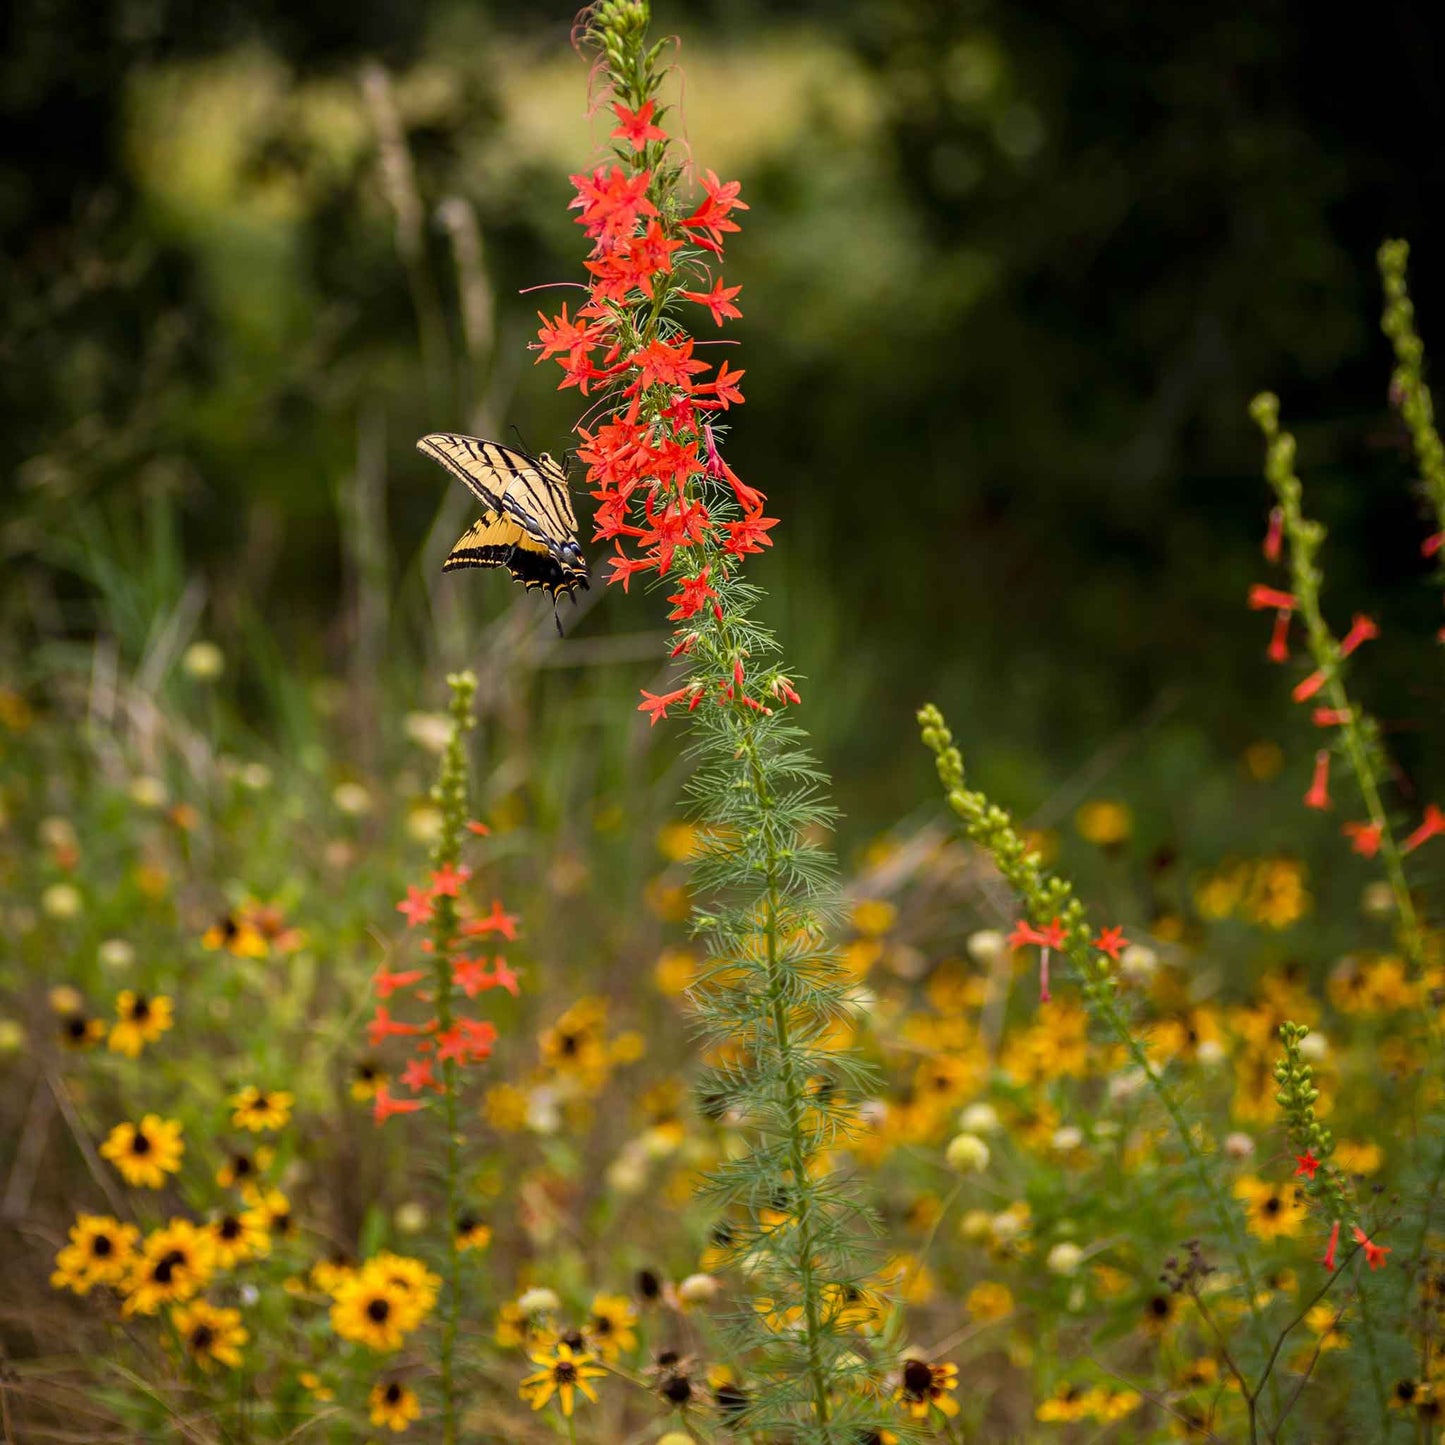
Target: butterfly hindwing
x,y
497,541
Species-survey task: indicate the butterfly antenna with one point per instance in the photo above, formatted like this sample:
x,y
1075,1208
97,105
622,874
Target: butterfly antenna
x,y
521,441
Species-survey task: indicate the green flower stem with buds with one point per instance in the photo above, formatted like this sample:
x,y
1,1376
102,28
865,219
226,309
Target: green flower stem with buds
x,y
1359,732
1046,899
1296,1099
450,794
1408,382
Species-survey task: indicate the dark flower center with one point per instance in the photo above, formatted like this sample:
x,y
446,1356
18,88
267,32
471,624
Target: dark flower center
x,y
140,1010
649,1286
229,1227
76,1027
377,1310
676,1389
1159,1307
166,1266
393,1393
917,1379
102,1245
141,1144
1273,1204
202,1338
601,1325
564,1372
569,1044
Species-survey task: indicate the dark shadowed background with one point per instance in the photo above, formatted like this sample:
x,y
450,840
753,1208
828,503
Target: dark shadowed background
x,y
1010,277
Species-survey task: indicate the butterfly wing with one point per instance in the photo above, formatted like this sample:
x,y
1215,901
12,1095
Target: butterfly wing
x,y
497,541
532,491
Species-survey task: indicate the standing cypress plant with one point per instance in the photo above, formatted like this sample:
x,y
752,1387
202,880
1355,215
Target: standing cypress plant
x,y
772,1000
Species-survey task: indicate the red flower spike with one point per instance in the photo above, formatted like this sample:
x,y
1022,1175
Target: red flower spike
x,y
1374,1253
655,705
1111,941
1262,598
417,906
1432,824
710,219
1319,791
384,1106
1274,535
385,983
1306,1164
1364,837
383,1026
1305,690
1329,1260
637,128
1362,629
1278,649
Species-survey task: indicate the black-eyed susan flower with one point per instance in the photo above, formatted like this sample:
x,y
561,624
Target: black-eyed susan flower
x,y
240,1235
327,1274
77,1029
564,1373
383,1301
211,1336
172,1265
99,1252
923,1388
393,1405
367,1076
1272,1211
146,1152
139,1020
241,1168
236,935
274,1207
260,1109
1068,1404
611,1327
472,1233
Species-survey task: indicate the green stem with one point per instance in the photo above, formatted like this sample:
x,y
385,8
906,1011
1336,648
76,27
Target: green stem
x,y
794,1103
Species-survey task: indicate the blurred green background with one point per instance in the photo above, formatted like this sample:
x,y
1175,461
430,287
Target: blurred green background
x,y
1010,276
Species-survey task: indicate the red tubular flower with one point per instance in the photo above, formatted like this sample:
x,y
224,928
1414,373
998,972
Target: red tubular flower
x,y
655,705
1274,535
383,1026
384,984
636,127
1432,824
1319,790
497,921
1305,690
695,595
1330,717
1362,629
1262,598
417,906
1111,941
1374,1253
1329,1260
1364,837
1278,650
719,300
1306,1164
1432,544
447,881
384,1106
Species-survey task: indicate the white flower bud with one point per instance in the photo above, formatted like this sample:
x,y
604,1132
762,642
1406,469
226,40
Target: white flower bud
x,y
968,1154
1065,1258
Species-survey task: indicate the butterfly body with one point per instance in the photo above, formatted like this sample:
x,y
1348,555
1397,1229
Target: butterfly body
x,y
527,525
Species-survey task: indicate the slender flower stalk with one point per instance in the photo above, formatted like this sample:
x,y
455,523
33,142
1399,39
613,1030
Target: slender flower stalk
x,y
772,1001
1407,385
1359,733
1056,920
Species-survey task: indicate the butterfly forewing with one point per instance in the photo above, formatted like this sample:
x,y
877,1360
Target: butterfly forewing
x,y
532,490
